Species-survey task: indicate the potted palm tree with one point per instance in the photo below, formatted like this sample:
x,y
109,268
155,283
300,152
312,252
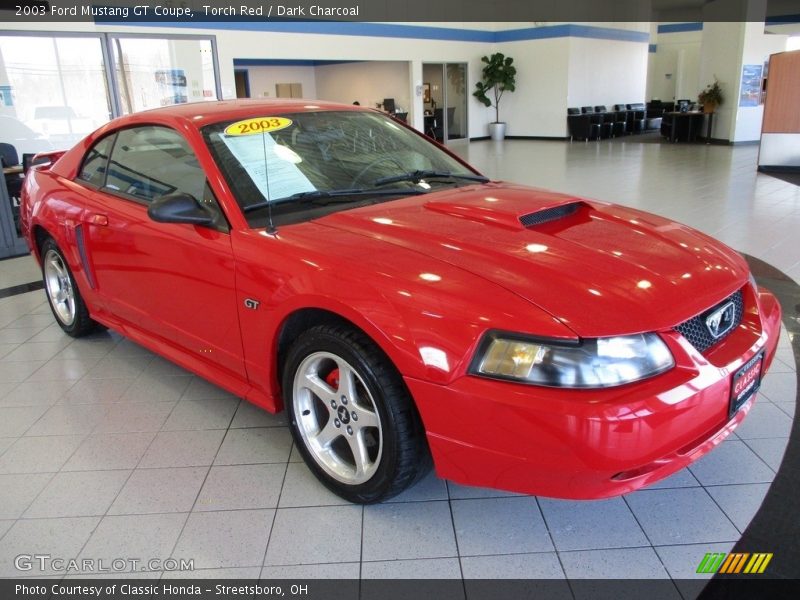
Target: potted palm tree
x,y
711,97
499,76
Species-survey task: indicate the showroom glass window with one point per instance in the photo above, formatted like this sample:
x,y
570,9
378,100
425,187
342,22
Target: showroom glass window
x,y
155,72
149,162
53,90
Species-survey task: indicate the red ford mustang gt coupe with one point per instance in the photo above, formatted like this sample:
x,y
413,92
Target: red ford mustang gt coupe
x,y
403,308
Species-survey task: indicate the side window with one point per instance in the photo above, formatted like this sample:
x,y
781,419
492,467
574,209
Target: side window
x,y
148,162
93,170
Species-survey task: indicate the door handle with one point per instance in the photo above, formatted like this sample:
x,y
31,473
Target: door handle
x,y
101,220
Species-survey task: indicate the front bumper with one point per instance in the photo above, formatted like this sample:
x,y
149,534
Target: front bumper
x,y
588,444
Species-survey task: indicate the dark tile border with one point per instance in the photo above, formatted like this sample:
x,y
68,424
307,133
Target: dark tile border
x,y
776,526
23,288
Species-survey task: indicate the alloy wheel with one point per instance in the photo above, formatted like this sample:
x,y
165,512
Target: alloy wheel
x,y
337,418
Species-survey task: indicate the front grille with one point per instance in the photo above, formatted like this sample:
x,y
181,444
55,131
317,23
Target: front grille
x,y
549,214
696,332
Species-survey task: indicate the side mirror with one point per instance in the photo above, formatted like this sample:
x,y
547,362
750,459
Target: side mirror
x,y
179,208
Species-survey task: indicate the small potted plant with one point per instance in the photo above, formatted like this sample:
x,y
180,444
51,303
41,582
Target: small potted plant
x,y
711,97
499,76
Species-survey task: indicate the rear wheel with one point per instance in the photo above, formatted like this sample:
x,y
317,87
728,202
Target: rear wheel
x,y
63,294
352,417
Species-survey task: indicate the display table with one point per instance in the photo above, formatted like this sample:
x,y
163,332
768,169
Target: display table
x,y
690,121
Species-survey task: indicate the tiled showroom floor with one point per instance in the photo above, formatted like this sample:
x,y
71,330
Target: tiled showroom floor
x,y
109,451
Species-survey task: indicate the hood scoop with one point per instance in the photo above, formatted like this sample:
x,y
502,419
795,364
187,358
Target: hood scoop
x,y
507,214
550,214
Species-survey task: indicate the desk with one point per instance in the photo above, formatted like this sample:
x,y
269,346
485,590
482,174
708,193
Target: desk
x,y
13,170
692,119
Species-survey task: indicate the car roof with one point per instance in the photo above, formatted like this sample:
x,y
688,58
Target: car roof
x,y
204,113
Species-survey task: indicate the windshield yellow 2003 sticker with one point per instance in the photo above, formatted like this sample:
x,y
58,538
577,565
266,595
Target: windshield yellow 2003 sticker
x,y
257,125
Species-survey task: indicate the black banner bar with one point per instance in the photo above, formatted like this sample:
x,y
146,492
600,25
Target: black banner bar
x,y
762,588
531,13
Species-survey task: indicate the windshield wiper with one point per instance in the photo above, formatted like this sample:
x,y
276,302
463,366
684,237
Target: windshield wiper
x,y
342,195
418,175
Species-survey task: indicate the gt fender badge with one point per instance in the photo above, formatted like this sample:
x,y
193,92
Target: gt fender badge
x,y
251,304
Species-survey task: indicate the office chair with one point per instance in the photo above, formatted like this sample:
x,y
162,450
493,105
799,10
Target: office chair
x,y
8,155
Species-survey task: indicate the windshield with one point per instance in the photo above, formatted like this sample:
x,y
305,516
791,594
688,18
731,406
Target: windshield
x,y
301,166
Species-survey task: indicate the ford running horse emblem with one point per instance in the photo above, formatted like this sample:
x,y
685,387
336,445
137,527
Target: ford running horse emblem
x,y
720,321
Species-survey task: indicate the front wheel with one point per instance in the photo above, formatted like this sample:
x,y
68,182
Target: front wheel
x,y
351,415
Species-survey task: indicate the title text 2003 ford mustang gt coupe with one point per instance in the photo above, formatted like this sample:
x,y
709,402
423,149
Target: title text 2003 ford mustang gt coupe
x,y
402,308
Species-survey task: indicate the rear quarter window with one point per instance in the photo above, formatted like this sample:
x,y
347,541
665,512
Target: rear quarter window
x,y
95,163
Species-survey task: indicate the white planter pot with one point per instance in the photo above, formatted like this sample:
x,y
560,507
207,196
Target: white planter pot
x,y
497,131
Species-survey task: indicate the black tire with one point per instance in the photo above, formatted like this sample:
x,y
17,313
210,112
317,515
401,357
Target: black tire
x,y
80,324
402,451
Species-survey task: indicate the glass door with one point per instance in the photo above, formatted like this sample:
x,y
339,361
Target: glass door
x,y
445,101
456,102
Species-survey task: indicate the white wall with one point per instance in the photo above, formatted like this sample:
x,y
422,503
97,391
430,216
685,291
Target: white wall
x,y
726,47
367,82
757,48
538,107
263,80
606,72
677,55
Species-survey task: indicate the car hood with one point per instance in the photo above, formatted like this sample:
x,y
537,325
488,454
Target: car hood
x,y
600,269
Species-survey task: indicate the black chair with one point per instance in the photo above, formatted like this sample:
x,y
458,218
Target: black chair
x,y
621,122
10,158
27,162
598,118
580,126
610,120
654,114
388,105
438,124
636,117
430,125
621,114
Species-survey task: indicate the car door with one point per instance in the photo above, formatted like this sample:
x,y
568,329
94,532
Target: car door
x,y
173,281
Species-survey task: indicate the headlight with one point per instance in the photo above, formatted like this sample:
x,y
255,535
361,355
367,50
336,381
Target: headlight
x,y
600,362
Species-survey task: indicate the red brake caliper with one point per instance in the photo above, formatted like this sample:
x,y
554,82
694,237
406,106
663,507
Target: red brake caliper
x,y
332,379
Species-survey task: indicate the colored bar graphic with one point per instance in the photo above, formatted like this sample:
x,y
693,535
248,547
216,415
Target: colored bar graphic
x,y
720,562
758,563
711,562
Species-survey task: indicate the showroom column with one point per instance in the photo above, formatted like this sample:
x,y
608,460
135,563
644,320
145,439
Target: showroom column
x,y
725,49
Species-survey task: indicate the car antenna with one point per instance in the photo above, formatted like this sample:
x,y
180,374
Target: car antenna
x,y
271,230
